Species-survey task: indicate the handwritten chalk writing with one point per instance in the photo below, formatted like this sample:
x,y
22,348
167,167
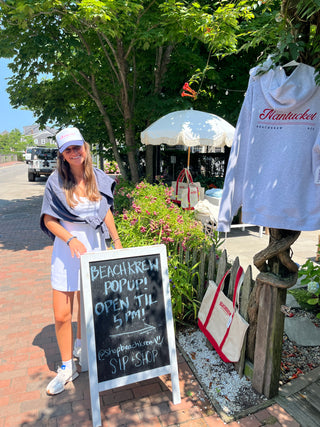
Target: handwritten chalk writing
x,y
141,359
104,353
140,330
103,271
138,359
118,285
119,304
117,320
148,301
123,269
116,304
120,362
134,314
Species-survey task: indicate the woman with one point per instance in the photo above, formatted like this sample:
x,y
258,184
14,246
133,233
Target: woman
x,y
77,214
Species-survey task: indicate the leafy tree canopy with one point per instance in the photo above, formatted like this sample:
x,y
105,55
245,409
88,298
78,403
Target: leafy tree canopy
x,y
112,66
291,29
14,141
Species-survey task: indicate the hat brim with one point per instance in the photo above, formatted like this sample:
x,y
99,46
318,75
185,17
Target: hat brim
x,y
68,144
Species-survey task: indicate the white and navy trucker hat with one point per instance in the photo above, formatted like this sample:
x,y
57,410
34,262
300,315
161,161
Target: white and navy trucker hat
x,y
67,137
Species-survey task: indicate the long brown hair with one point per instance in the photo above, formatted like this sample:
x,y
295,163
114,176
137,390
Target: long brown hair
x,y
69,183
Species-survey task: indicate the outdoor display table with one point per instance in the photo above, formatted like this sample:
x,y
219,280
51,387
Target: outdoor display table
x,y
214,197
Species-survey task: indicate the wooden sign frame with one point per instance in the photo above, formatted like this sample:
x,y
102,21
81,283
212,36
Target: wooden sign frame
x,y
89,350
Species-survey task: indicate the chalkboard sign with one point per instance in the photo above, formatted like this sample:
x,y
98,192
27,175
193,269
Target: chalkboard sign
x,y
128,319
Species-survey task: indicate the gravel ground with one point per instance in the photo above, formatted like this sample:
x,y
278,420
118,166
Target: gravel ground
x,y
297,360
221,382
230,393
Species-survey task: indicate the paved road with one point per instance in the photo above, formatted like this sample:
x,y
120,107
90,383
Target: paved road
x,y
14,183
20,205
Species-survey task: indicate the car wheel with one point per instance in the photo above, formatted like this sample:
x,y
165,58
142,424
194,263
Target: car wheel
x,y
31,177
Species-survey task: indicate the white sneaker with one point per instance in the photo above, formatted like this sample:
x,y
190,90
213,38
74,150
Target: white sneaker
x,y
64,376
76,351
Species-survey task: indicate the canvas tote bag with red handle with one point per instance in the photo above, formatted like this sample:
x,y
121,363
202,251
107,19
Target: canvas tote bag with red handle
x,y
186,192
219,319
183,180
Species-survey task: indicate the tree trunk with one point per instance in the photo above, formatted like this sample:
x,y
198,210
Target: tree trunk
x,y
127,109
163,57
131,153
149,163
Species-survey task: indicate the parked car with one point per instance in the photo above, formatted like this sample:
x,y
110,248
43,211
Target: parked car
x,y
43,162
28,153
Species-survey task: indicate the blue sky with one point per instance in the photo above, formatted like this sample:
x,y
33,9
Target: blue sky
x,y
11,118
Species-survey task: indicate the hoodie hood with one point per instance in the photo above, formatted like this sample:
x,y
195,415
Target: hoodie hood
x,y
284,92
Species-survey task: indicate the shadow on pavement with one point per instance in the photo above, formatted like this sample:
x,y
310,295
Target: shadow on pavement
x,y
19,227
46,340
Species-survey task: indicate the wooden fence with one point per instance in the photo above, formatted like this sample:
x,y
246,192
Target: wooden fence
x,y
8,158
212,267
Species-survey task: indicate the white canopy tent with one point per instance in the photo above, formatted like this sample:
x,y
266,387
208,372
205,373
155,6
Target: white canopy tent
x,y
191,128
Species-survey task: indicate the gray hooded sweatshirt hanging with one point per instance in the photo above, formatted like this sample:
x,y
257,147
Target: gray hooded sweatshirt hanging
x,y
274,165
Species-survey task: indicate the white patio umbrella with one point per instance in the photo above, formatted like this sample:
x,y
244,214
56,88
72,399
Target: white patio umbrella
x,y
191,128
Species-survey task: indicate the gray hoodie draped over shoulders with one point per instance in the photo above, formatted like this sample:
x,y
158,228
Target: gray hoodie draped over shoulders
x,y
55,203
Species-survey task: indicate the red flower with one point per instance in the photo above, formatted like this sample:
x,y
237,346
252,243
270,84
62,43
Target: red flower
x,y
190,92
187,87
187,94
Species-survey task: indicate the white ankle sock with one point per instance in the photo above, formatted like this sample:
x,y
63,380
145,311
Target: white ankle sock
x,y
68,364
78,342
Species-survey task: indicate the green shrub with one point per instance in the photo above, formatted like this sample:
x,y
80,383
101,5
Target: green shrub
x,y
308,298
153,218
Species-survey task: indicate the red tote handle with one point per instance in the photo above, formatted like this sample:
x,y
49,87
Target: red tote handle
x,y
180,176
179,179
185,173
188,175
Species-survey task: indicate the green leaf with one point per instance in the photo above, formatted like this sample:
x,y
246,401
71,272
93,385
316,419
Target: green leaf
x,y
313,301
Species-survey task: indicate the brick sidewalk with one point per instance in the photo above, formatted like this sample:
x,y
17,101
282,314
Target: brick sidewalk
x,y
30,355
9,163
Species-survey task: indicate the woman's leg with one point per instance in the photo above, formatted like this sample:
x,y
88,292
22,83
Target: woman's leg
x,y
62,307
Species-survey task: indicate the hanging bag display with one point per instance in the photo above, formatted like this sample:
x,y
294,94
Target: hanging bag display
x,y
182,182
219,319
185,191
190,196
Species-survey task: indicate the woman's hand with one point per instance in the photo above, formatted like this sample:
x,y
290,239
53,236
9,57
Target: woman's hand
x,y
109,221
77,248
117,244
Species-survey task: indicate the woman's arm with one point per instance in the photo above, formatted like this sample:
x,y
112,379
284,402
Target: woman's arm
x,y
109,221
76,247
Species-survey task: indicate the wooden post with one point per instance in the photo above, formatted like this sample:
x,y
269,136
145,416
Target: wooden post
x,y
277,273
222,266
268,349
